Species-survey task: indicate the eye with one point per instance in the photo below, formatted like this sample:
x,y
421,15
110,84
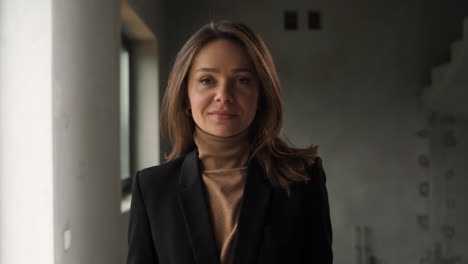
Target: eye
x,y
243,80
206,81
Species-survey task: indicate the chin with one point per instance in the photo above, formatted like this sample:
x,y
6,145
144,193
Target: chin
x,y
225,133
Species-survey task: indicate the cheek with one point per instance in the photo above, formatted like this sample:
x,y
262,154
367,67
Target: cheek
x,y
254,98
250,103
198,102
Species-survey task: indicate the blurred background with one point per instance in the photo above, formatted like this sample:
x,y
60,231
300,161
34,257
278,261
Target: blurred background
x,y
381,86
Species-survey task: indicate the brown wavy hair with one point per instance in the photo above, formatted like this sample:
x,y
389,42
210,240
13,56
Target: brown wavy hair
x,y
283,163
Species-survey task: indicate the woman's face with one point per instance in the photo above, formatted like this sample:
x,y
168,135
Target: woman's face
x,y
223,88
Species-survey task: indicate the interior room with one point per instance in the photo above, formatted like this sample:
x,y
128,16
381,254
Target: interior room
x,y
380,86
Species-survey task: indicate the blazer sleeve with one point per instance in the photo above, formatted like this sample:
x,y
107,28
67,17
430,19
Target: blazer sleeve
x,y
327,234
141,249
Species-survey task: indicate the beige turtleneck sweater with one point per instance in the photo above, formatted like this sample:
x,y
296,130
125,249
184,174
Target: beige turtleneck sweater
x,y
224,170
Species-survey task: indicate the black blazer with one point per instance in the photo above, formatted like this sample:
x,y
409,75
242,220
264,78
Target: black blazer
x,y
170,222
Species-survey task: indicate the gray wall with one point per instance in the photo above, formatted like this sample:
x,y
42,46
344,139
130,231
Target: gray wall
x,y
86,124
354,88
86,44
87,189
447,179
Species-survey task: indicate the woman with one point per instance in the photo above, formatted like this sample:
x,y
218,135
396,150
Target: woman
x,y
232,191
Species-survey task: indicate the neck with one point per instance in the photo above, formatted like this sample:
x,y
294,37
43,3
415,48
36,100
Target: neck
x,y
217,152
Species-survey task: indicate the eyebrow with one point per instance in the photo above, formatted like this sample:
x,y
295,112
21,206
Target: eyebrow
x,y
215,70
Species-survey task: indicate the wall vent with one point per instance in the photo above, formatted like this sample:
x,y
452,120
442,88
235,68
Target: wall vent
x,y
314,20
290,20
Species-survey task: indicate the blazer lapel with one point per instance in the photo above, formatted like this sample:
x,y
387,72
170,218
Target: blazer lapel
x,y
257,192
196,212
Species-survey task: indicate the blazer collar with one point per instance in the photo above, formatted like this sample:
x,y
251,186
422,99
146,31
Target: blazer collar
x,y
192,199
195,210
254,206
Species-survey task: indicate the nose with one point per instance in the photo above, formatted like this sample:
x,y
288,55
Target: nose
x,y
223,93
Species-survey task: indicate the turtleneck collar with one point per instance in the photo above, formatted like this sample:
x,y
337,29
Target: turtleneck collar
x,y
216,153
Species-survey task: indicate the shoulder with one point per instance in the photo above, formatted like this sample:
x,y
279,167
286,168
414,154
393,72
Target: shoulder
x,y
316,177
162,169
161,176
317,162
315,171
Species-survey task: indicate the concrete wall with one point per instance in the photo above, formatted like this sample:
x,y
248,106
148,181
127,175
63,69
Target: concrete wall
x,y
447,180
86,44
86,124
354,88
153,13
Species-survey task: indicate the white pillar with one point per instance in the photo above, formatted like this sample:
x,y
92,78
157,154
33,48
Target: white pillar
x,y
26,169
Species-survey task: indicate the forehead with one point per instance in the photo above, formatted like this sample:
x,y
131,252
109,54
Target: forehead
x,y
222,54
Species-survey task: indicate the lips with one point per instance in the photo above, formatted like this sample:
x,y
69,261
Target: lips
x,y
222,114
